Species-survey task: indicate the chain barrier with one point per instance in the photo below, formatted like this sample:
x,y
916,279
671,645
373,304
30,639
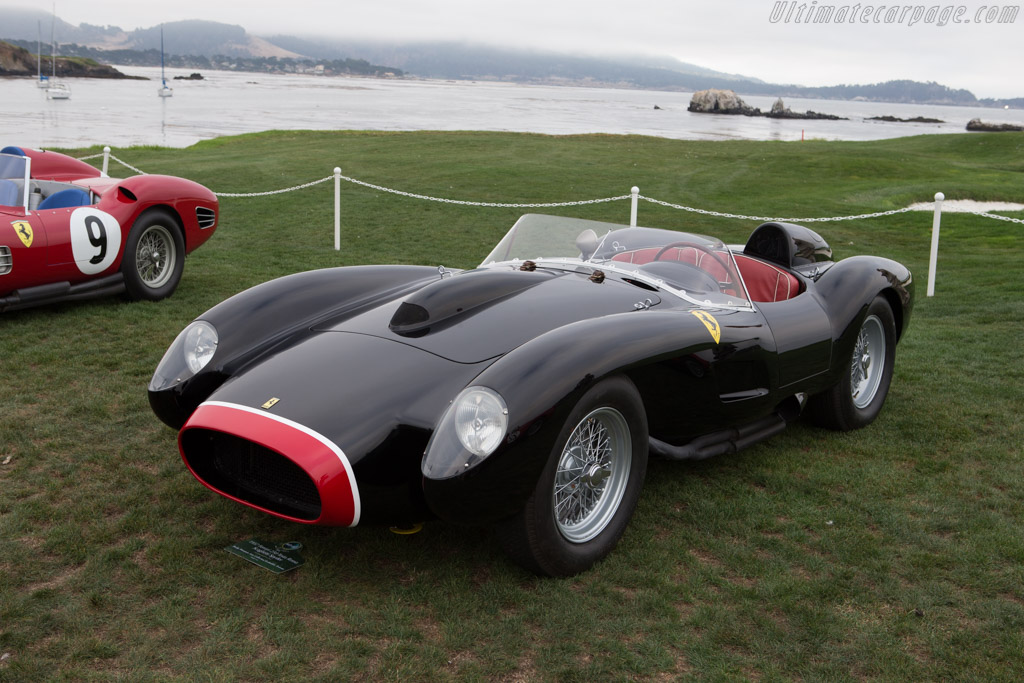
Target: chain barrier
x,y
998,217
270,192
126,165
767,219
503,205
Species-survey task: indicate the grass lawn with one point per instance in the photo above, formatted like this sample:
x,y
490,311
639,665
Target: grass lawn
x,y
893,553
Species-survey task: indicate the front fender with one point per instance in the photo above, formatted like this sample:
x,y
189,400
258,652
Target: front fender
x,y
276,314
540,382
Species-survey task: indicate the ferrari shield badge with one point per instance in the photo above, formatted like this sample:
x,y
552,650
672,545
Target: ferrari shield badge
x,y
270,404
24,231
709,322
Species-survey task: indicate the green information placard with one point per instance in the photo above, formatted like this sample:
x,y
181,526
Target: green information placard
x,y
277,557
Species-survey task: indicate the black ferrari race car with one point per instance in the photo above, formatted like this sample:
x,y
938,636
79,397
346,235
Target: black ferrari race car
x,y
526,393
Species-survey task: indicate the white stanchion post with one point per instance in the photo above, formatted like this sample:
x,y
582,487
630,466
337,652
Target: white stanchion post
x,y
106,159
634,195
337,208
933,260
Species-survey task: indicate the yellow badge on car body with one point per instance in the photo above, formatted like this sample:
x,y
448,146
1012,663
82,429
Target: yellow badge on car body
x,y
709,322
24,231
270,404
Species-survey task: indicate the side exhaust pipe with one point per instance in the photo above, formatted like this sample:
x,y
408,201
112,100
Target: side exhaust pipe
x,y
720,443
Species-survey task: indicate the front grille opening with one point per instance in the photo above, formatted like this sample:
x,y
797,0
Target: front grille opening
x,y
247,471
206,217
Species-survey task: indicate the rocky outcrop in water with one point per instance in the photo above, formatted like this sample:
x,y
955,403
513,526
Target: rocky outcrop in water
x,y
715,101
979,125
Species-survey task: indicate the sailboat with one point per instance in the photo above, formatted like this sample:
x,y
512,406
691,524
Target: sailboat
x,y
164,90
55,90
42,81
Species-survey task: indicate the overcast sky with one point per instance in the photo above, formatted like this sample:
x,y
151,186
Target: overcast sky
x,y
970,45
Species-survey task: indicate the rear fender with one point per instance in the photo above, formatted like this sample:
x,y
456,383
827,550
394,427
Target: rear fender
x,y
56,166
848,288
133,196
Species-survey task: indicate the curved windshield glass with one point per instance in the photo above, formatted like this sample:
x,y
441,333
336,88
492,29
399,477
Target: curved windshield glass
x,y
698,268
14,177
13,167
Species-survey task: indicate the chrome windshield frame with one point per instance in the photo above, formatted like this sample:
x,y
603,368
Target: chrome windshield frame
x,y
578,265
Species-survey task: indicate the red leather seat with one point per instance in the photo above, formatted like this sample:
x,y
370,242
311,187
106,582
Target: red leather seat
x,y
766,282
695,257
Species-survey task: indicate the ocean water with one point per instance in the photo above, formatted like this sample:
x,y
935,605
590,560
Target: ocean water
x,y
124,113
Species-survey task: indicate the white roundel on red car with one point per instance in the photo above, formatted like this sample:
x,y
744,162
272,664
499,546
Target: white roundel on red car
x,y
95,239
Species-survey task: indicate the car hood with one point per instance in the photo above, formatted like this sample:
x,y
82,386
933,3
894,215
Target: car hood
x,y
354,389
482,314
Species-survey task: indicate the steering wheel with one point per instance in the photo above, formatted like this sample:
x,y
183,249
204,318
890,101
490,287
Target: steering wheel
x,y
683,275
698,247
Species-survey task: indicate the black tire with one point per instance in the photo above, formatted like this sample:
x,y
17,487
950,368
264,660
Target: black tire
x,y
857,398
154,256
597,489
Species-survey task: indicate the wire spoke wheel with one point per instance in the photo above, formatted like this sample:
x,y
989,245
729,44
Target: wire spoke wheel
x,y
591,475
868,362
155,256
589,487
857,397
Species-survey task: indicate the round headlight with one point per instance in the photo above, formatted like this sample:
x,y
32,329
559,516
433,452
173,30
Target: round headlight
x,y
480,420
200,345
190,352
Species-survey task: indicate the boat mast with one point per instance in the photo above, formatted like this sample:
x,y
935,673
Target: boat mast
x,y
163,78
53,41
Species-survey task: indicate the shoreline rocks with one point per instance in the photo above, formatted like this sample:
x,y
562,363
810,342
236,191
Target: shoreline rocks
x,y
893,119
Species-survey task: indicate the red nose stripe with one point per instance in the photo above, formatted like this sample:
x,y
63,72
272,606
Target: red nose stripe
x,y
317,455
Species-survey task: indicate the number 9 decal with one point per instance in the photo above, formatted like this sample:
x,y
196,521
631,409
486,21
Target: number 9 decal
x,y
95,239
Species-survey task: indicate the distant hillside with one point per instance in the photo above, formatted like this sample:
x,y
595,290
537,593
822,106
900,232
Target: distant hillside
x,y
188,44
220,62
17,61
193,37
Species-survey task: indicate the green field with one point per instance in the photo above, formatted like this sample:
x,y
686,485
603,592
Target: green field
x,y
891,553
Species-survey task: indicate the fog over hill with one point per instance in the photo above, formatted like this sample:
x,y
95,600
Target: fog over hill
x,y
205,39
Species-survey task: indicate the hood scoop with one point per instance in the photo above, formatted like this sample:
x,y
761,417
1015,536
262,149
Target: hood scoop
x,y
455,296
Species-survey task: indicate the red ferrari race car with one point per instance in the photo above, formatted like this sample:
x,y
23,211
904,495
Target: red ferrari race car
x,y
68,232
